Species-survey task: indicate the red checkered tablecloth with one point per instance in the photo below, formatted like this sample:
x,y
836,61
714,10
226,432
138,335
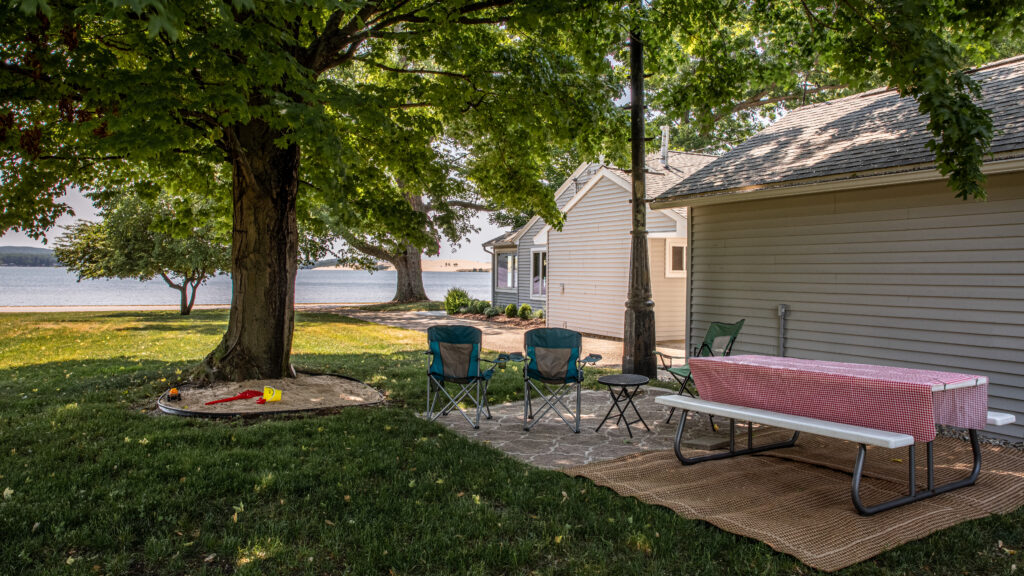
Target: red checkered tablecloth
x,y
901,400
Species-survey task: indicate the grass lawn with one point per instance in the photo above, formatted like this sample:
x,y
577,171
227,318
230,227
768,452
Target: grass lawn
x,y
94,482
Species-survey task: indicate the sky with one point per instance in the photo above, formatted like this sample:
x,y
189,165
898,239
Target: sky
x,y
471,247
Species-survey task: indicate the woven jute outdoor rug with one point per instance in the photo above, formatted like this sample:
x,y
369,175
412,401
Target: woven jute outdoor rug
x,y
797,500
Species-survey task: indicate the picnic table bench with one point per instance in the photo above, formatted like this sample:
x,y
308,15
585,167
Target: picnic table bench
x,y
869,405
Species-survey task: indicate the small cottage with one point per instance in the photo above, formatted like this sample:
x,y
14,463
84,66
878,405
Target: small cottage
x,y
835,237
588,258
579,275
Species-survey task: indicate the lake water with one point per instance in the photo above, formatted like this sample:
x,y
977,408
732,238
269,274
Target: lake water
x,y
56,287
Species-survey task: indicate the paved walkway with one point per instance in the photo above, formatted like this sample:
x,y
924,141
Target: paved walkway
x,y
497,337
551,444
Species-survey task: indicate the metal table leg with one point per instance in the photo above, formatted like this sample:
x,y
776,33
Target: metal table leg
x,y
914,495
621,401
732,444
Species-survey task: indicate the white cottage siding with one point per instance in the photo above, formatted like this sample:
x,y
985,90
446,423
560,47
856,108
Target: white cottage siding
x,y
588,262
904,275
660,223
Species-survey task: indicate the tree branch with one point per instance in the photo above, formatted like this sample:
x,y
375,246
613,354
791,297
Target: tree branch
x,y
369,249
412,70
323,54
759,100
170,283
467,204
8,67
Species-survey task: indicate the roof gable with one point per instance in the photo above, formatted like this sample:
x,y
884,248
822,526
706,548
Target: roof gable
x,y
512,238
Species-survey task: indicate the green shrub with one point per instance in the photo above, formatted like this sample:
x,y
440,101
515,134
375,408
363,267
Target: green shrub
x,y
455,298
491,312
511,311
471,307
540,313
479,306
525,312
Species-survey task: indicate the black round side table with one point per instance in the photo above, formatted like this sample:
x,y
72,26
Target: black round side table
x,y
628,386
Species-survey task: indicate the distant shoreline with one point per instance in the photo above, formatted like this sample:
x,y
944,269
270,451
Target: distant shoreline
x,y
46,287
440,265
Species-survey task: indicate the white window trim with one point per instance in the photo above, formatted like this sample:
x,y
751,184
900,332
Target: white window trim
x,y
669,244
514,271
537,295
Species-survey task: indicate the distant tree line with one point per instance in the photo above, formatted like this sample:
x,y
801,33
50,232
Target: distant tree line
x,y
35,258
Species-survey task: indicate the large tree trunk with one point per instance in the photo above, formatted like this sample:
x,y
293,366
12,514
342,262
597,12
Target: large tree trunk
x,y
264,252
185,308
410,276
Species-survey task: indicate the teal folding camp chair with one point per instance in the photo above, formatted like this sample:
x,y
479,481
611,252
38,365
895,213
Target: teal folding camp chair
x,y
717,342
553,370
454,376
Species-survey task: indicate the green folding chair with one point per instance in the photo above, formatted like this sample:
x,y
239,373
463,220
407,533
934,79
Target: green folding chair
x,y
454,376
553,370
717,342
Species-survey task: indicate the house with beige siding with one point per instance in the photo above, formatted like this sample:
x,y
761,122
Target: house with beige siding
x,y
837,213
579,274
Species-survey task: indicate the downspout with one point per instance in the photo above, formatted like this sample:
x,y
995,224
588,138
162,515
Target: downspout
x,y
494,271
783,310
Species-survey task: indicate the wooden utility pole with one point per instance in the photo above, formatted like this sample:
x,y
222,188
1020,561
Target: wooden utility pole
x,y
638,341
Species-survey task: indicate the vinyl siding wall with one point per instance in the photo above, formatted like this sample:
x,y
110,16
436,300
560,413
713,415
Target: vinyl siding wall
x,y
905,276
588,267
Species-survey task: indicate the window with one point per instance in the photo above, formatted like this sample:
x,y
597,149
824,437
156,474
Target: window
x,y
505,278
539,274
675,257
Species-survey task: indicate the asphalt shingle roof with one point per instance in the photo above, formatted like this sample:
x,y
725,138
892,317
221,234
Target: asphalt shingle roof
x,y
872,131
660,177
503,241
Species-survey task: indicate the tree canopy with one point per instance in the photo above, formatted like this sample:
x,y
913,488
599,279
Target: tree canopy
x,y
342,103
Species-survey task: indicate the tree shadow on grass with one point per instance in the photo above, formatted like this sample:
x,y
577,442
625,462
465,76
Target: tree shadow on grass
x,y
205,329
119,381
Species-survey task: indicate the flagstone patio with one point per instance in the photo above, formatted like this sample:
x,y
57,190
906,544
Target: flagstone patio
x,y
551,444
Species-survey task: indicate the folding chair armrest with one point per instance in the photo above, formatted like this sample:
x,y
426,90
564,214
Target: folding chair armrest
x,y
591,359
428,352
516,357
666,364
501,359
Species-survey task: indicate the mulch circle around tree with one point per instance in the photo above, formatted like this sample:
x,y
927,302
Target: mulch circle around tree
x,y
305,393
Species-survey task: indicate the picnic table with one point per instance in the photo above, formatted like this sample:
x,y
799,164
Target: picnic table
x,y
885,406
